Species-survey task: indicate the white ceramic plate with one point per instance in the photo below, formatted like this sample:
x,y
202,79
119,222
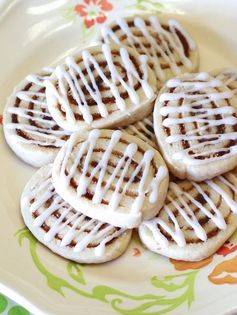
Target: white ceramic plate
x,y
35,33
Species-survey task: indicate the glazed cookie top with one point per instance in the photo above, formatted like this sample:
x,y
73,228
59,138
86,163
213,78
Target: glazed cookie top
x,y
195,122
144,130
194,212
228,77
100,87
57,224
26,115
119,178
168,46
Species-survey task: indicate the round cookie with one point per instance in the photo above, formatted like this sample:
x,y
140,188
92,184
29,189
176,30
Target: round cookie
x,y
102,86
196,220
111,176
28,126
228,77
144,130
168,46
64,230
195,124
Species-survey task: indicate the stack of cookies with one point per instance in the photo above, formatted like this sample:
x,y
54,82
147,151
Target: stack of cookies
x,y
129,135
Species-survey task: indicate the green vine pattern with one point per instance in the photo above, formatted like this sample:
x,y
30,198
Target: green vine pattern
x,y
177,289
69,14
7,307
151,6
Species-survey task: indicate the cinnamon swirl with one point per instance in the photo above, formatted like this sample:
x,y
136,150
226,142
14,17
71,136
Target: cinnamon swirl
x,y
144,130
195,122
102,86
64,230
228,77
196,220
28,126
168,46
111,176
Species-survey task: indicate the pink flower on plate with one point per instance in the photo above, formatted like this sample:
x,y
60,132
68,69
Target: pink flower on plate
x,y
93,11
0,119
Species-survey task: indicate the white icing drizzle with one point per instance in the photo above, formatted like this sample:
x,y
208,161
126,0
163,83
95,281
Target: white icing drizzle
x,y
204,117
144,189
183,203
38,79
229,78
42,134
71,74
75,223
169,47
142,129
229,201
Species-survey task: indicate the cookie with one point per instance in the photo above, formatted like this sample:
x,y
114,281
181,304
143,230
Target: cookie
x,y
228,77
102,86
28,126
196,220
168,46
64,230
111,176
195,124
144,130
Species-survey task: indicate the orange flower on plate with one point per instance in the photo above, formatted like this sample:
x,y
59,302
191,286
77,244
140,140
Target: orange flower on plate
x,y
225,272
93,11
185,265
136,252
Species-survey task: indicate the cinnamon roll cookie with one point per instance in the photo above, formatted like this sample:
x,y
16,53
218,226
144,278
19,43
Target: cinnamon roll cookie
x,y
111,176
196,220
144,130
64,230
28,126
102,86
195,124
228,77
168,46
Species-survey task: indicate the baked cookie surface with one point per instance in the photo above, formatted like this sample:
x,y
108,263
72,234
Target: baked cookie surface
x,y
196,220
100,87
115,177
64,230
168,46
195,123
28,126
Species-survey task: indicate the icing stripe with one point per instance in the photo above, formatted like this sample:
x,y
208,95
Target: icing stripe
x,y
164,48
183,211
105,179
205,114
68,226
144,130
78,78
30,118
229,78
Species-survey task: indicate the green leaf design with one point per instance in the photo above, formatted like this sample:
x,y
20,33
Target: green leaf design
x,y
187,284
87,32
75,272
151,6
54,282
176,289
69,14
3,303
140,7
18,310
